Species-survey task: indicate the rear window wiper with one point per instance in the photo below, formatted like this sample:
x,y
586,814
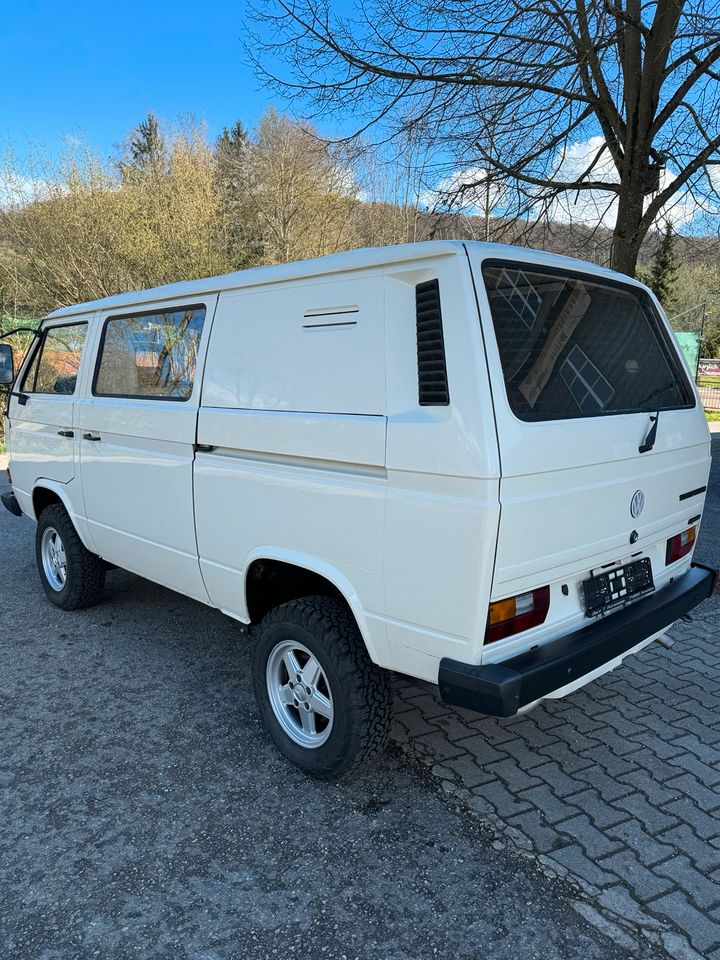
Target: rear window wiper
x,y
649,441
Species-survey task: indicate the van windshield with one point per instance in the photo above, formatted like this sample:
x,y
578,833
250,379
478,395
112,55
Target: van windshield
x,y
574,346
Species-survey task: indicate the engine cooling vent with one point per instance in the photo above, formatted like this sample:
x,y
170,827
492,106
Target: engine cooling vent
x,y
432,372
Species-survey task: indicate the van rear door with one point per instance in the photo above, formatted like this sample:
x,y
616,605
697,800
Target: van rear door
x,y
580,364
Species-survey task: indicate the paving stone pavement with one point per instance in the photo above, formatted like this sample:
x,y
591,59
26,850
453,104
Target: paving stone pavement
x,y
616,788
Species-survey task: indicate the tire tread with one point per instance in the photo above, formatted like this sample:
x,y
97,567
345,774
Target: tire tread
x,y
330,621
86,571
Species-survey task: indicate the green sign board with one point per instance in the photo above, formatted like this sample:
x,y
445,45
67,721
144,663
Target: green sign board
x,y
690,346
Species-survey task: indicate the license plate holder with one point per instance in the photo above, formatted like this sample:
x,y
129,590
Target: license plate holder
x,y
618,587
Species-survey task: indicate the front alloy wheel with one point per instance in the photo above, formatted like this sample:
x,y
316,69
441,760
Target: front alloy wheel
x,y
71,576
54,561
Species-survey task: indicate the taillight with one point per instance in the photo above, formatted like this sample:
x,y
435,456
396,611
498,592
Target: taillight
x,y
511,616
680,545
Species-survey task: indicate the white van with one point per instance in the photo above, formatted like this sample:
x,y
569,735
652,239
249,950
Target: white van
x,y
476,465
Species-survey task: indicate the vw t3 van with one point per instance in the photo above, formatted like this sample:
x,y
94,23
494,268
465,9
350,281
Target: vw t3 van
x,y
476,465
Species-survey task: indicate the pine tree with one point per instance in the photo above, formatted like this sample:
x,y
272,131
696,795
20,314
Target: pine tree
x,y
146,145
146,151
233,142
662,276
232,152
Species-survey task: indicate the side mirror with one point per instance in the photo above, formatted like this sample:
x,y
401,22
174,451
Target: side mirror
x,y
7,366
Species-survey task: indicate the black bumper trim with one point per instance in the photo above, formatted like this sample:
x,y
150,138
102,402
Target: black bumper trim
x,y
501,689
10,503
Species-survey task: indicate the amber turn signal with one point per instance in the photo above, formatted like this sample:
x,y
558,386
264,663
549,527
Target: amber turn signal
x,y
511,616
680,545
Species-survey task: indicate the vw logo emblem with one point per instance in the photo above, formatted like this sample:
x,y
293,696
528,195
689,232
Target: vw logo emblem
x,y
637,503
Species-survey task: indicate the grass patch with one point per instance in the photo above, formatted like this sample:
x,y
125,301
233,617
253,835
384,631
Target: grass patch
x,y
712,415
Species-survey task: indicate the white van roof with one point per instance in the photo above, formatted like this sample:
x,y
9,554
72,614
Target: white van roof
x,y
333,263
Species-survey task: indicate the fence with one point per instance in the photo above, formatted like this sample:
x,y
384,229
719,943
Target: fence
x,y
708,383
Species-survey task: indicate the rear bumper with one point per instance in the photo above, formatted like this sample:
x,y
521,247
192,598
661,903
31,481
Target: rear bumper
x,y
501,689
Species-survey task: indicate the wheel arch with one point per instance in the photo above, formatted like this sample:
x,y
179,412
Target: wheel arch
x,y
46,492
313,573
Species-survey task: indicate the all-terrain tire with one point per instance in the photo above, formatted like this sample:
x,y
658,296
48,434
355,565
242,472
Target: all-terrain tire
x,y
84,571
361,695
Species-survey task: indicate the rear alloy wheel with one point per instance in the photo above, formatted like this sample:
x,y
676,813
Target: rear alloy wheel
x,y
324,702
299,694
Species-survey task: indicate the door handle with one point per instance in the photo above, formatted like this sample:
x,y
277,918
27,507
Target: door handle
x,y
91,436
66,433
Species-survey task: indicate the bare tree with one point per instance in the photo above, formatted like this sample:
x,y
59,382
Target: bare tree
x,y
395,187
300,191
513,88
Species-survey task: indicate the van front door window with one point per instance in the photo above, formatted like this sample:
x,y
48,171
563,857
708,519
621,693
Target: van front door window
x,y
55,366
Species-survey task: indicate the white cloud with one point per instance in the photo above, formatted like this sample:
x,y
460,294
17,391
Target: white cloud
x,y
466,190
589,207
592,207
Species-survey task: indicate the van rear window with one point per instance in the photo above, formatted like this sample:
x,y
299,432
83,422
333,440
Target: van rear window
x,y
573,346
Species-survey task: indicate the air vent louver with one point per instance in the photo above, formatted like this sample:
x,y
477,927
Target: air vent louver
x,y
432,372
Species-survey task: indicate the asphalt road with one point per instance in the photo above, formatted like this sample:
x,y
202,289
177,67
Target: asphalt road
x,y
145,813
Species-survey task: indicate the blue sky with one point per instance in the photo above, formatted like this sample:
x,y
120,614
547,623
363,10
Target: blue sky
x,y
96,68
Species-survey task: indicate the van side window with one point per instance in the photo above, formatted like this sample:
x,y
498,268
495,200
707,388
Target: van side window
x,y
150,355
54,368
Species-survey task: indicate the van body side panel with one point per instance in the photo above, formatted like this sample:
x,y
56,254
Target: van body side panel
x,y
293,406
299,347
317,438
439,548
443,480
316,514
